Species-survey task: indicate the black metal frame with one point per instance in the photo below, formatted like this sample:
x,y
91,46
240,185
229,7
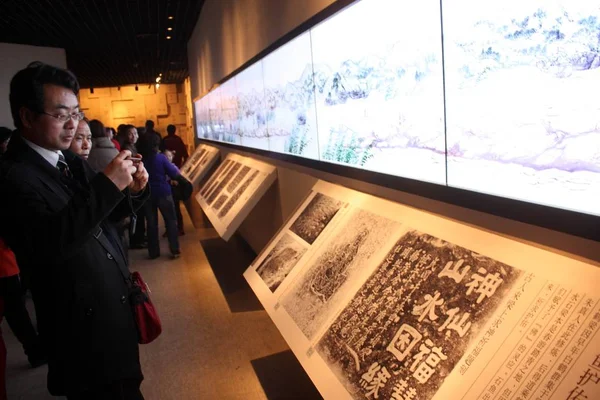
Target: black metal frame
x,y
571,222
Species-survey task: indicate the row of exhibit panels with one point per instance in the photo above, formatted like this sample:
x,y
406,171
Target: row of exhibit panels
x,y
232,190
499,106
379,300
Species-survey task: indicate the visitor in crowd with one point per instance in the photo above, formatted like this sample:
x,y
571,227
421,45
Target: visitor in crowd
x,y
15,309
174,144
103,149
5,135
56,220
112,135
82,142
132,138
159,168
13,296
150,131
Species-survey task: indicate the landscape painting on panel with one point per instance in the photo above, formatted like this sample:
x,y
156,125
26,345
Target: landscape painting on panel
x,y
379,88
290,99
522,81
250,102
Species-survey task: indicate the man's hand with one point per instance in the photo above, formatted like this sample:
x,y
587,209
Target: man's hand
x,y
140,179
121,170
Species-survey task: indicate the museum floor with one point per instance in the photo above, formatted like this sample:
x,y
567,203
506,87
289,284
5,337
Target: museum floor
x,y
217,343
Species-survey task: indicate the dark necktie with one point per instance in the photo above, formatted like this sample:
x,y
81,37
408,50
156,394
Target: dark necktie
x,y
63,167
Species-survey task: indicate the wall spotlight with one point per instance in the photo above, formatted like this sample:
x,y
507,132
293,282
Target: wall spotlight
x,y
136,88
157,85
170,17
169,29
92,90
168,37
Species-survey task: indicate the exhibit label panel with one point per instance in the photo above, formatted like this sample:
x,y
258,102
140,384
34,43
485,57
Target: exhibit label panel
x,y
199,163
379,300
233,190
492,97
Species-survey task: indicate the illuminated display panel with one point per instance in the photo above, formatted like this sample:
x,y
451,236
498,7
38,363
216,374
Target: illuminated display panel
x,y
252,124
520,122
379,88
290,99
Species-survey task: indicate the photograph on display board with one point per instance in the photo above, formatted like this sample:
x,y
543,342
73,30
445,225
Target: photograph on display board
x,y
519,76
290,99
315,217
320,289
281,260
252,123
412,321
303,232
379,88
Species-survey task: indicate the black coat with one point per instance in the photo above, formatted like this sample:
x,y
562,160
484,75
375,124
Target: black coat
x,y
62,232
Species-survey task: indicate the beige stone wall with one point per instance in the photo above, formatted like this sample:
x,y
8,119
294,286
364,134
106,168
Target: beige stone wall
x,y
169,104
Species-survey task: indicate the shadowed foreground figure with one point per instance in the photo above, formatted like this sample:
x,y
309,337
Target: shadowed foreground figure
x,y
59,221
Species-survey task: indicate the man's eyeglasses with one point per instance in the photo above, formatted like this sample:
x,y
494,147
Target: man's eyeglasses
x,y
64,118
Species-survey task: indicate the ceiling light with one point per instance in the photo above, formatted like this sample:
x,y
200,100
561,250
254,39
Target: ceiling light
x,y
168,37
170,17
169,29
160,74
158,79
92,90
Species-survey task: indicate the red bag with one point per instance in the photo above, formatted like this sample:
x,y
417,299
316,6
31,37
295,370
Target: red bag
x,y
146,317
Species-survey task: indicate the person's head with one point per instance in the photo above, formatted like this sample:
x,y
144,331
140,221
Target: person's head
x,y
171,129
44,106
82,143
149,125
169,154
141,130
132,134
112,133
97,129
148,145
5,135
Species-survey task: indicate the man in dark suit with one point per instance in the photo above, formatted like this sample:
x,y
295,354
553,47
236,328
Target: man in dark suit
x,y
58,216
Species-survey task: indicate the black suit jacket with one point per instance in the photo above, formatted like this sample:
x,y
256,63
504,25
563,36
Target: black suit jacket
x,y
62,233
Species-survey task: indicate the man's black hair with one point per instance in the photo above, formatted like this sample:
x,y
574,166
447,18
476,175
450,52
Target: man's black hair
x,y
171,129
149,125
27,87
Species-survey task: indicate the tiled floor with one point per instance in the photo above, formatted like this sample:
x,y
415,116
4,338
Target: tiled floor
x,y
211,346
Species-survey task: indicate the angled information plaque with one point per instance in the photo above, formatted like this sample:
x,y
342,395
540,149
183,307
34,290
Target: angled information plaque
x,y
233,190
379,300
199,163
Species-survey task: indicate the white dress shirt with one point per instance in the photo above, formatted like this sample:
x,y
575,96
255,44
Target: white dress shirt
x,y
48,155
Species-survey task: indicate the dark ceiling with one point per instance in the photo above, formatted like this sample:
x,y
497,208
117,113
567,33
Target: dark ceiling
x,y
108,42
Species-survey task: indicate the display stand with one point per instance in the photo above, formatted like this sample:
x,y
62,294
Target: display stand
x,y
233,190
199,163
380,300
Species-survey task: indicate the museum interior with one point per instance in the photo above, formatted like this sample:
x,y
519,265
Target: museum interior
x,y
386,199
